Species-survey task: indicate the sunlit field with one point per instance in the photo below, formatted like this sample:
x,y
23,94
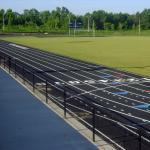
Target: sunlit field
x,y
127,53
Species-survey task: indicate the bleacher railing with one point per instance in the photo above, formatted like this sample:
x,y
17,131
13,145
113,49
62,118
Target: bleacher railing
x,y
106,123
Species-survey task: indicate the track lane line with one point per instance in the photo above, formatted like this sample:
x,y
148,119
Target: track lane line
x,y
99,96
105,84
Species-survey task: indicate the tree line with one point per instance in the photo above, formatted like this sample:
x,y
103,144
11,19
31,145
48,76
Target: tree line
x,y
58,20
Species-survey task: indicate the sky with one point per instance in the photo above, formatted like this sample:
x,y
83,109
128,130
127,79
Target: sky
x,y
78,7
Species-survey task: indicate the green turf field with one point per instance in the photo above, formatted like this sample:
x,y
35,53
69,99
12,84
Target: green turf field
x,y
128,53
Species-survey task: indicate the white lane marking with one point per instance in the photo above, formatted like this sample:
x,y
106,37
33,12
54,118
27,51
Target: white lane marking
x,y
129,114
56,56
114,88
75,78
96,95
70,66
120,73
95,86
92,82
18,46
69,76
79,88
70,59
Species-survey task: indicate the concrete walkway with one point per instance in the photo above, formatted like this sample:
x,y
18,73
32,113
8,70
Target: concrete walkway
x,y
27,124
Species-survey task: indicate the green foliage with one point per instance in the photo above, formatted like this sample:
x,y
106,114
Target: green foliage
x,y
34,21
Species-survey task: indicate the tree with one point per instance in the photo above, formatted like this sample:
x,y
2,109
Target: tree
x,y
145,19
99,18
58,19
2,13
9,18
108,26
44,15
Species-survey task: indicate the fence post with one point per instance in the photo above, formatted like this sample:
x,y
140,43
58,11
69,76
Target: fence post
x,y
15,69
65,109
4,62
46,94
93,122
0,60
33,81
9,64
23,75
139,139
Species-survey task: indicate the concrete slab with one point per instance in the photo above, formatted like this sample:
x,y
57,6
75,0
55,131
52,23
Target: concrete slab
x,y
27,124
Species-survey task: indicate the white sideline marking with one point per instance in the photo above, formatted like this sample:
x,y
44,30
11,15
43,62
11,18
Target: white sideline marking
x,y
18,46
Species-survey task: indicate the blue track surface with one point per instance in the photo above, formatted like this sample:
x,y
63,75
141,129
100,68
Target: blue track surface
x,y
26,124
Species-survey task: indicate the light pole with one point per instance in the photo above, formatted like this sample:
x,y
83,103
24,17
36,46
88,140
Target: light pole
x,y
75,26
139,25
88,23
93,28
3,21
69,23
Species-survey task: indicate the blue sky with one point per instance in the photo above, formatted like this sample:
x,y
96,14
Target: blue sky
x,y
78,6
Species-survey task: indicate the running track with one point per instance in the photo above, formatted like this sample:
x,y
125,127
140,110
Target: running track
x,y
123,92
